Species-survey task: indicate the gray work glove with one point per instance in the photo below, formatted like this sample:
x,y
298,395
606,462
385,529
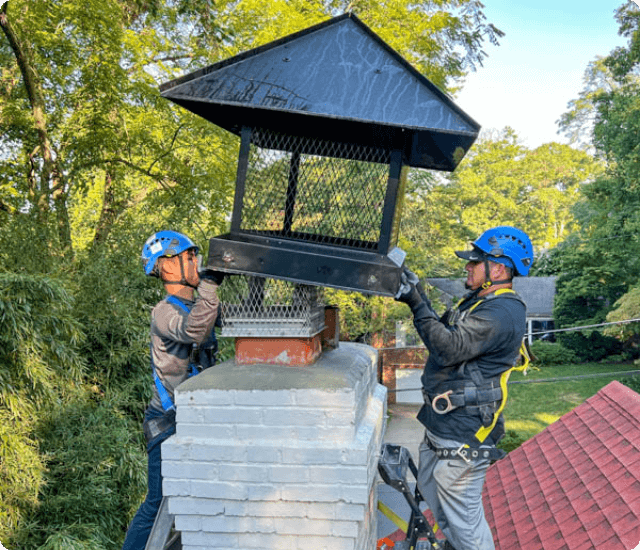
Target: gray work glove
x,y
411,293
408,291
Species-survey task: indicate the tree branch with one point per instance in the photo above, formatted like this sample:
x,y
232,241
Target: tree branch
x,y
172,58
173,141
51,180
159,178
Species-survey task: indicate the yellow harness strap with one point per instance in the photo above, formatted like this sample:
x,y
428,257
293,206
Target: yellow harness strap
x,y
483,432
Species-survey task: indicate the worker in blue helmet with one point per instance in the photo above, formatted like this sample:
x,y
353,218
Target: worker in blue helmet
x,y
183,343
473,348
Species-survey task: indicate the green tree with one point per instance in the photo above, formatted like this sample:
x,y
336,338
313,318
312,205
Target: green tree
x,y
626,308
95,476
500,182
577,122
599,264
80,112
39,365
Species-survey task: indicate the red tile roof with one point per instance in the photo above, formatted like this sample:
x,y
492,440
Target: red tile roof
x,y
575,485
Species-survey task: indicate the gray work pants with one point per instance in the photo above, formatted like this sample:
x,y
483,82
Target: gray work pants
x,y
453,491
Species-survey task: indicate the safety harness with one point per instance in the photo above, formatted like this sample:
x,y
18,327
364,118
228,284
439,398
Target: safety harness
x,y
485,395
165,398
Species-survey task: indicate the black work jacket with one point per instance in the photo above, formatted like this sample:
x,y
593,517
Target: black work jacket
x,y
482,335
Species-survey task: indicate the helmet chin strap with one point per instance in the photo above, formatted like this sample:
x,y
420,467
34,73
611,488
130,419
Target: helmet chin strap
x,y
488,283
183,280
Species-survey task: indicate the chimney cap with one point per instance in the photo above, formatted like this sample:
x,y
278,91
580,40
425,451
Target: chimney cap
x,y
339,81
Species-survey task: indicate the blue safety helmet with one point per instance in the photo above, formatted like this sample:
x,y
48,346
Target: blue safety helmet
x,y
505,245
163,244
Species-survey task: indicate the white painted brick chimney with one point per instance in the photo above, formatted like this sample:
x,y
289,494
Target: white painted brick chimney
x,y
278,458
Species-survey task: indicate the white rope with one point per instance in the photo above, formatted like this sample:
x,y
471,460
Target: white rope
x,y
629,373
583,327
541,380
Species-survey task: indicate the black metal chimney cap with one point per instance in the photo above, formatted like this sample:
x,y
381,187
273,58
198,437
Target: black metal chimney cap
x,y
338,81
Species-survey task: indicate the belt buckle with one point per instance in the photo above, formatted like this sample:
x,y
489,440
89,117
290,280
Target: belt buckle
x,y
462,453
449,406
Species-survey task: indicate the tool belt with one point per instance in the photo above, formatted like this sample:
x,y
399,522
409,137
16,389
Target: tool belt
x,y
466,453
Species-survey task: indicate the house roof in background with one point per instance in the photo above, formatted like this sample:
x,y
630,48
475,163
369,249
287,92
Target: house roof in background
x,y
575,485
537,292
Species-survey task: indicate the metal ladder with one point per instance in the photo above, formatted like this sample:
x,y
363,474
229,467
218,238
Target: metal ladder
x,y
393,465
163,536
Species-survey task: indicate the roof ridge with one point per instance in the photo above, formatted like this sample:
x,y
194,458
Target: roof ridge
x,y
623,397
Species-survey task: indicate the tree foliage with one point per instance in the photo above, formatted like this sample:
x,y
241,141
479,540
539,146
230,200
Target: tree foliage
x,y
500,182
626,308
81,111
599,264
39,364
95,477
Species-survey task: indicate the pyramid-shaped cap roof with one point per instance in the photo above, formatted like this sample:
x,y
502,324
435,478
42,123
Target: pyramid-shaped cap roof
x,y
338,81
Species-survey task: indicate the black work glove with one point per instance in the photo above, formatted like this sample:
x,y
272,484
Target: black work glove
x,y
208,356
211,275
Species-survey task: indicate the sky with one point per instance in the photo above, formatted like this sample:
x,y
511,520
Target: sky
x,y
528,80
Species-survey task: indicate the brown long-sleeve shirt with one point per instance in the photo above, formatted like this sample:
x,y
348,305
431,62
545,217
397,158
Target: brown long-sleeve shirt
x,y
174,332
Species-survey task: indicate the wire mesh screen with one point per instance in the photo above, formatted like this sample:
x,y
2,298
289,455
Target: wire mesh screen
x,y
314,190
256,306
